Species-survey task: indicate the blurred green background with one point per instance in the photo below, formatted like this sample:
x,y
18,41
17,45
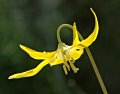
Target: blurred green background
x,y
33,23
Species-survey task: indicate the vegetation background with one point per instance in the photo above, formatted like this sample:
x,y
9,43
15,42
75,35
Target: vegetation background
x,y
33,23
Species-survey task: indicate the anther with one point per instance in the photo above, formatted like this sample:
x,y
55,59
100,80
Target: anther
x,y
65,69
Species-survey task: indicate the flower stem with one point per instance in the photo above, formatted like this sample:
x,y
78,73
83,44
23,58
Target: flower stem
x,y
97,73
59,29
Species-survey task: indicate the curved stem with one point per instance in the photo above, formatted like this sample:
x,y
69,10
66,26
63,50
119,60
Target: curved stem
x,y
59,29
97,73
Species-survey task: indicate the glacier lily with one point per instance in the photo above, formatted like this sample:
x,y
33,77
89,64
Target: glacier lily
x,y
64,54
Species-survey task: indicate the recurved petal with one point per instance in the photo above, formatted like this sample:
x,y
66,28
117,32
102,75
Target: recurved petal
x,y
31,72
88,41
76,40
37,55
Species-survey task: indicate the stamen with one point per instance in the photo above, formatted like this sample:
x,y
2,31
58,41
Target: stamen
x,y
71,61
66,64
65,69
73,67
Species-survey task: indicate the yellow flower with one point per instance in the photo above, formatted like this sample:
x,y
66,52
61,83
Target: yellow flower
x,y
64,54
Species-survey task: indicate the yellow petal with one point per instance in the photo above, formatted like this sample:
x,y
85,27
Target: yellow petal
x,y
57,59
31,72
75,52
88,41
37,55
56,62
76,40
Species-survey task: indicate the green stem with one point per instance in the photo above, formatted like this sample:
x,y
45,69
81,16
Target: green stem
x,y
59,29
95,68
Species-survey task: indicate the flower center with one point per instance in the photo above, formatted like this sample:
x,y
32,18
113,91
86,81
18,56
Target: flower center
x,y
67,60
71,62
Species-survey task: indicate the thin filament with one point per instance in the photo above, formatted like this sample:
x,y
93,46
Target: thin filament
x,y
65,69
